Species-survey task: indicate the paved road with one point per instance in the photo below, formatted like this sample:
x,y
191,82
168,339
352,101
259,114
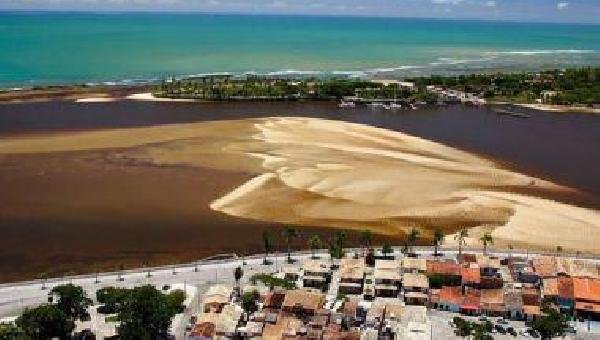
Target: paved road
x,y
15,298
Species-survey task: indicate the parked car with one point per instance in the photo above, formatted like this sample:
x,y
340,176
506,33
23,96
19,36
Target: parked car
x,y
500,329
511,331
533,333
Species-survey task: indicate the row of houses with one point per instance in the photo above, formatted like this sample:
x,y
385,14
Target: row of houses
x,y
354,298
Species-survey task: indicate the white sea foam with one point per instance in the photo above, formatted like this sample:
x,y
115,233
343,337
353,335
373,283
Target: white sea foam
x,y
476,61
457,61
292,72
538,52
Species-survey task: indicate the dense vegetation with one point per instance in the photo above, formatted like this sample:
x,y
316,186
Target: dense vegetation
x,y
551,324
272,281
570,86
142,312
264,88
477,331
573,86
56,319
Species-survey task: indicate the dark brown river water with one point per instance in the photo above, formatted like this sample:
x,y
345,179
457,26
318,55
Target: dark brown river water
x,y
563,147
80,212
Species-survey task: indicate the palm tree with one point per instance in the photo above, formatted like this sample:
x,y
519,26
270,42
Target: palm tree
x,y
366,236
386,249
485,240
460,237
237,275
146,265
43,277
438,238
314,243
412,238
340,239
289,233
267,238
120,273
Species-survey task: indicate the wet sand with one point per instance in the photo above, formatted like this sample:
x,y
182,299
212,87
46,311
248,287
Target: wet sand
x,y
93,200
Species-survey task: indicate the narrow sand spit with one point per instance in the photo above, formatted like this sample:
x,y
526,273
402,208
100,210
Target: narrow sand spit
x,y
329,173
559,108
96,100
149,97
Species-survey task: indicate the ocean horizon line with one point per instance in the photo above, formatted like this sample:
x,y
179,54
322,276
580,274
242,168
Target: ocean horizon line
x,y
266,14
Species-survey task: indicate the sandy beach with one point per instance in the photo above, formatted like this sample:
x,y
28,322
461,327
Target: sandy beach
x,y
321,173
559,108
148,96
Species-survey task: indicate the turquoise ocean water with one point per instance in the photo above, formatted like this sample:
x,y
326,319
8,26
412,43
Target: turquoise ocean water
x,y
43,48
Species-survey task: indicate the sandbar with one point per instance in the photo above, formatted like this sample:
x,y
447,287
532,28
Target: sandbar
x,y
317,172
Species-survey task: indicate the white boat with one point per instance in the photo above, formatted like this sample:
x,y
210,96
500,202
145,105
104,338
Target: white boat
x,y
395,105
346,104
376,104
413,106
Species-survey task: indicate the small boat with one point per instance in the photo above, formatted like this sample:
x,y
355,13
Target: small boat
x,y
501,112
520,115
413,106
394,105
376,104
346,104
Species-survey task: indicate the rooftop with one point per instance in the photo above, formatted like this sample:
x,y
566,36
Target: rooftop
x,y
452,295
415,280
448,267
586,289
550,286
388,264
284,326
471,275
485,261
316,266
513,299
492,296
224,322
352,269
384,274
414,263
307,299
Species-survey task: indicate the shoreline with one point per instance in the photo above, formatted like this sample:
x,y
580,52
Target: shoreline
x,y
234,259
559,108
299,169
82,93
140,175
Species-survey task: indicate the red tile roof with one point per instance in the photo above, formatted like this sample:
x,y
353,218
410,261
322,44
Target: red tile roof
x,y
586,289
471,275
565,287
467,258
471,300
452,295
586,306
273,299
